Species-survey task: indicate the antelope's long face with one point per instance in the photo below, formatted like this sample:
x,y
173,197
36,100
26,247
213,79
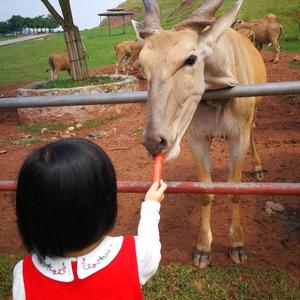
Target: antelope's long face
x,y
173,63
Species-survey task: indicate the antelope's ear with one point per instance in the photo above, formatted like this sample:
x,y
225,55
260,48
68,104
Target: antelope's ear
x,y
138,27
221,25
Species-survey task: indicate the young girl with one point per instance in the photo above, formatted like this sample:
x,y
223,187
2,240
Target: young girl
x,y
66,205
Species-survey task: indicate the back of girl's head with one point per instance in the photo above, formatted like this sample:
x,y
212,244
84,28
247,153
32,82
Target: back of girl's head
x,y
66,197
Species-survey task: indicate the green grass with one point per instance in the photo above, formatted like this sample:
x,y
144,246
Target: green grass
x,y
28,61
7,37
35,129
185,282
97,122
6,268
69,83
137,131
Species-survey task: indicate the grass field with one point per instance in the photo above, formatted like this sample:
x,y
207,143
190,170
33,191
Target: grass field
x,y
184,282
28,61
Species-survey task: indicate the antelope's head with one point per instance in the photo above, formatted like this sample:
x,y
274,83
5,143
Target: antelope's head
x,y
173,62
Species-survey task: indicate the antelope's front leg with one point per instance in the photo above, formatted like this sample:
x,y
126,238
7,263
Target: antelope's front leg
x,y
200,152
237,148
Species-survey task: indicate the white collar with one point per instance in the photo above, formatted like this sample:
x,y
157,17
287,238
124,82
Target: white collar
x,y
60,269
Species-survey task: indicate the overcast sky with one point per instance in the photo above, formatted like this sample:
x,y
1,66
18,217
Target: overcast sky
x,y
85,12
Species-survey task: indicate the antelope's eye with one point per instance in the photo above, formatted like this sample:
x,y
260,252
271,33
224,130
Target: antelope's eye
x,y
191,60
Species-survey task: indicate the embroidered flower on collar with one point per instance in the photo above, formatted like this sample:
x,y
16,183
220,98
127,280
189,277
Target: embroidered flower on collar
x,y
49,267
87,266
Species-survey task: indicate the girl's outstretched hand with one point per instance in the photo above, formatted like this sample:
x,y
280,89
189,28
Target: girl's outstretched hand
x,y
156,191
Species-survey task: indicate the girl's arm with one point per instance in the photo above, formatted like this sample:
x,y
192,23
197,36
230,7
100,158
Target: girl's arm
x,y
18,283
147,241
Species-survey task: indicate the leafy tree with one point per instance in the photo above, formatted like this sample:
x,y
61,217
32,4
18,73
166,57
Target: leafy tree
x,y
51,23
4,28
16,23
27,23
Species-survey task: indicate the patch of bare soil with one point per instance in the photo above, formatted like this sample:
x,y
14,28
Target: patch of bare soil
x,y
271,240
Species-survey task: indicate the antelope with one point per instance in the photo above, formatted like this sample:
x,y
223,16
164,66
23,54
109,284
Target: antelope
x,y
127,54
199,54
250,34
61,62
265,33
239,24
268,33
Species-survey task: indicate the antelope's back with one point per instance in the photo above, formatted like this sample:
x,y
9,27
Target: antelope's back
x,y
247,63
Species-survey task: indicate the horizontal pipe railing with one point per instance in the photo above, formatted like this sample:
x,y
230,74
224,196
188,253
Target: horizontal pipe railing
x,y
242,90
266,188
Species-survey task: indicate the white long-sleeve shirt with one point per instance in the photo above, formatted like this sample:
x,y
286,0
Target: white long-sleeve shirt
x,y
148,254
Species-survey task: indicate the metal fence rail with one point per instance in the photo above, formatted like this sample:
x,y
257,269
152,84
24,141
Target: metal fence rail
x,y
252,188
278,88
242,90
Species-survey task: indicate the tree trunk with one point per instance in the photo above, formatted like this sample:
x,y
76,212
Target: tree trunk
x,y
76,54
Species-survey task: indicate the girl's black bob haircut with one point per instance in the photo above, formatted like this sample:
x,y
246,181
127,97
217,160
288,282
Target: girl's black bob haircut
x,y
66,197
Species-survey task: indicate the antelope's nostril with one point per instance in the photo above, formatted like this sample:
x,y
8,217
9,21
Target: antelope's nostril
x,y
162,144
155,144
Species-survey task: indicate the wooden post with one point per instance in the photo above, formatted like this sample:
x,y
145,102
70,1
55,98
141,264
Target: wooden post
x,y
123,24
108,23
76,54
100,25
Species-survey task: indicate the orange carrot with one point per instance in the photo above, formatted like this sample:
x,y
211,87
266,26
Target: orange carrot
x,y
157,167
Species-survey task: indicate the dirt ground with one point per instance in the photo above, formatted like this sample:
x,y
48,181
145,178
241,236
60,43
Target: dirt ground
x,y
272,241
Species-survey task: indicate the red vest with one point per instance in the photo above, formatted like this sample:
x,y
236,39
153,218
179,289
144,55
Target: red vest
x,y
117,281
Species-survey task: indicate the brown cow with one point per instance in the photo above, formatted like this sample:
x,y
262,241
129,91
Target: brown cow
x,y
199,54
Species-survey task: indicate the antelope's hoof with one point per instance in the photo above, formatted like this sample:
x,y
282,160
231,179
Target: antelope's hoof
x,y
259,174
238,254
202,259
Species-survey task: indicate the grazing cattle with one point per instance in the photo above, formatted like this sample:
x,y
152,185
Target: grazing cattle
x,y
199,54
127,54
60,62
